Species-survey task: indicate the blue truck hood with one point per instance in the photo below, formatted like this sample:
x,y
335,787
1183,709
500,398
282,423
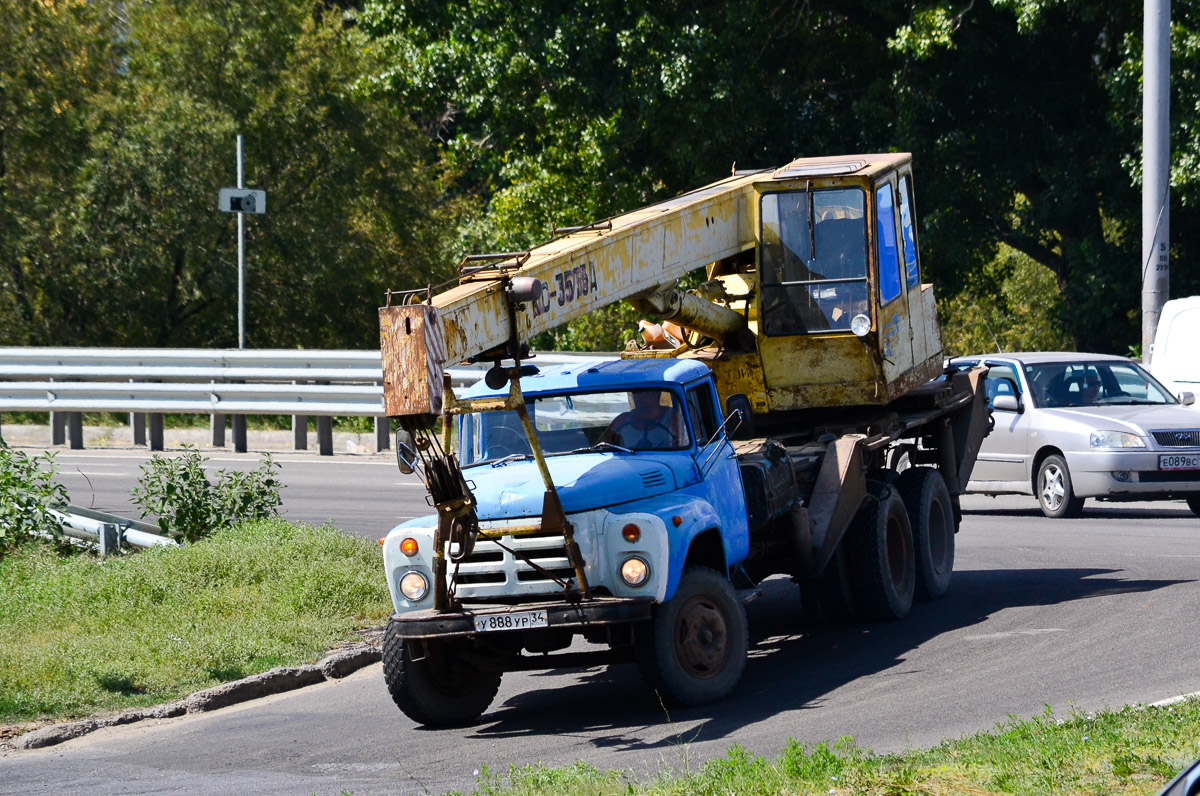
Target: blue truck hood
x,y
584,481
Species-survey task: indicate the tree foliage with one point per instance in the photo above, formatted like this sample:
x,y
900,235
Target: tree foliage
x,y
1019,113
131,249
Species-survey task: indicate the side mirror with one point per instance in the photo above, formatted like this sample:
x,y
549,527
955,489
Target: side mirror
x,y
1006,403
1187,398
406,452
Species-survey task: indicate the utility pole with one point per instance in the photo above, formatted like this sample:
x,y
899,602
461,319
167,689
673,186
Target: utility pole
x,y
241,217
1156,167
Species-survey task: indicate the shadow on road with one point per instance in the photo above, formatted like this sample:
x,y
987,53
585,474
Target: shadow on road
x,y
1092,510
790,667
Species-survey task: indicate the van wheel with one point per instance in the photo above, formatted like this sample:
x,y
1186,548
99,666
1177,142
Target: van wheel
x,y
695,648
432,683
931,516
1054,489
882,561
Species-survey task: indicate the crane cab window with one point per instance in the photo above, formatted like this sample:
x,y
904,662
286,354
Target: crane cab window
x,y
908,229
814,260
887,245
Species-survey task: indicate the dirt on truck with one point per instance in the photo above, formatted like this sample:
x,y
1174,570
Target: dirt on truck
x,y
798,420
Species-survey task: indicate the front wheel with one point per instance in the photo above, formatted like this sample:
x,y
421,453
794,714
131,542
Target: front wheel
x,y
695,647
1055,495
1194,504
433,683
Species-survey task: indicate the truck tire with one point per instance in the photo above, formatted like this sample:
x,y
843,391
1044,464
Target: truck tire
x,y
438,687
931,516
882,562
694,649
1054,492
830,596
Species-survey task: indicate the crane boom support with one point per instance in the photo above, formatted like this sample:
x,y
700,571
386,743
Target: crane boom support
x,y
588,270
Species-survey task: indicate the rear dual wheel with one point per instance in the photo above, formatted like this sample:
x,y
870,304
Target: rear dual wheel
x,y
881,555
931,516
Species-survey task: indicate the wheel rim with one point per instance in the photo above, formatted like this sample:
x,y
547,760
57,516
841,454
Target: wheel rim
x,y
701,638
1054,488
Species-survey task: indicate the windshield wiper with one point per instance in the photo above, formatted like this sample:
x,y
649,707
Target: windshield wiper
x,y
512,457
602,446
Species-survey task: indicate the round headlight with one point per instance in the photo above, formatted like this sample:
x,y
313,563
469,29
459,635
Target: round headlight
x,y
635,571
413,586
860,324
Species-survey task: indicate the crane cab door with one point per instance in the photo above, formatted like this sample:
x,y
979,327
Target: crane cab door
x,y
894,321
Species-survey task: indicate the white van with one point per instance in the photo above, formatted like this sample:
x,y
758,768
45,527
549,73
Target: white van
x,y
1175,358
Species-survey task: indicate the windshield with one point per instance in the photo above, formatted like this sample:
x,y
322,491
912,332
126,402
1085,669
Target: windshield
x,y
1094,384
814,278
629,420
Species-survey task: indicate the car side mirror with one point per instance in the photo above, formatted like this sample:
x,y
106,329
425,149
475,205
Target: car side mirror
x,y
1187,398
1006,403
406,452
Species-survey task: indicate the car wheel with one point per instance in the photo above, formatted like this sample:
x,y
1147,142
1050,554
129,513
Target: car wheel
x,y
1194,504
1054,489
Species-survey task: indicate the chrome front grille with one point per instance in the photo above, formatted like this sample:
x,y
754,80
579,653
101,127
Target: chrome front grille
x,y
1181,438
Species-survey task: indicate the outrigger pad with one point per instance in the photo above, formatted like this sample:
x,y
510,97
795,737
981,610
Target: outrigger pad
x,y
412,348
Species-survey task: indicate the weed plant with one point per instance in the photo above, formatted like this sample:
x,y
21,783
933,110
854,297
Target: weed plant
x,y
27,494
80,634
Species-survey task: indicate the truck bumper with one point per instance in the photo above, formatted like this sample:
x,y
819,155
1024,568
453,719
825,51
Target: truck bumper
x,y
559,616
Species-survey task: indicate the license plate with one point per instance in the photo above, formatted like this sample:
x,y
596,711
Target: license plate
x,y
522,620
1179,461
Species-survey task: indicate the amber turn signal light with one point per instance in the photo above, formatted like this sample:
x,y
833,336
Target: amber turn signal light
x,y
631,533
409,547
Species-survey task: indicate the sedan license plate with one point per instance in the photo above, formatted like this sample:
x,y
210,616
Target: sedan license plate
x,y
1179,461
522,620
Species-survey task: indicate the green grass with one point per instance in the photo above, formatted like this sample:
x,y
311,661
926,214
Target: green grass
x,y
80,634
1128,751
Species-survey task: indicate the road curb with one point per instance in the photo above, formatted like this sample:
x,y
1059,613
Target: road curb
x,y
275,681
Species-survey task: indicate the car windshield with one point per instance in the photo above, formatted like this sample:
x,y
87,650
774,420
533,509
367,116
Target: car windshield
x,y
617,421
1095,383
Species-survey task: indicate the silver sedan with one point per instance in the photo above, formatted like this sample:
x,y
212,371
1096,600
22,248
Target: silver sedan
x,y
1074,426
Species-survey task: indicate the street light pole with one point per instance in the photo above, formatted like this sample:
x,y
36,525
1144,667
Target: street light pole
x,y
241,257
1156,167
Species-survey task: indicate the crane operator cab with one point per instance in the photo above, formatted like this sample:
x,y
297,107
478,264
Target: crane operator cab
x,y
833,296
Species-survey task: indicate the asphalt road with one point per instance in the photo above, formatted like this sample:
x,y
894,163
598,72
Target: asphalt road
x,y
1080,614
363,494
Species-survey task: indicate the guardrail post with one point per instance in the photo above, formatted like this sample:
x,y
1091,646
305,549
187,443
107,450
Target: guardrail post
x,y
325,435
75,430
383,434
137,422
156,431
216,422
300,432
239,433
58,428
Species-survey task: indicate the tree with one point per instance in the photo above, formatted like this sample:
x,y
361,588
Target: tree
x,y
145,257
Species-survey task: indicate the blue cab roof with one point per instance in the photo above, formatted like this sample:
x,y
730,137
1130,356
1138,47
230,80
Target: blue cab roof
x,y
598,374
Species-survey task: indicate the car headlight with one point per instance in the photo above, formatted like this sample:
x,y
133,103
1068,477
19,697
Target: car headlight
x,y
1116,439
413,586
635,571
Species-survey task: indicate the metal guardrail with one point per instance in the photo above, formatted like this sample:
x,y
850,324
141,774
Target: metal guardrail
x,y
150,382
108,531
